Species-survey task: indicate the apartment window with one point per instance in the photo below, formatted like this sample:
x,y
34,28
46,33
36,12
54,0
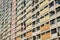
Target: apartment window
x,y
24,2
58,9
34,16
42,17
53,31
32,2
33,23
51,4
43,33
38,36
42,25
41,10
37,14
45,6
48,32
33,30
52,21
24,34
34,37
38,28
58,31
37,21
36,6
46,14
59,38
36,1
47,22
41,2
58,19
21,35
54,39
33,9
24,10
57,1
52,13
27,38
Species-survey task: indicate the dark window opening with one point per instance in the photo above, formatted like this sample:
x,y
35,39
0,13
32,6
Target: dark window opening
x,y
53,31
51,4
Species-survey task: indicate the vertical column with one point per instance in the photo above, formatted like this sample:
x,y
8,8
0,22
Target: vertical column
x,y
13,20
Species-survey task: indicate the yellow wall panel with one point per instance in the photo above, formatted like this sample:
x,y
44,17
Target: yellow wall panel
x,y
44,11
42,20
29,21
19,22
46,27
43,4
18,17
18,33
9,25
29,8
28,15
46,18
18,28
29,27
8,34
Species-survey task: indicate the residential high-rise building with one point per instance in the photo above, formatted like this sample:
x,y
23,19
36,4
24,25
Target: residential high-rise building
x,y
6,20
30,20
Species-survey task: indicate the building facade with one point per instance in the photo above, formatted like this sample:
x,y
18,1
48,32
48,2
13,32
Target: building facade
x,y
30,20
6,20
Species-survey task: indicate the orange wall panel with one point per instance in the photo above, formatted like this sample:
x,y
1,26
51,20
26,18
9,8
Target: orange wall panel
x,y
29,34
18,38
46,27
45,36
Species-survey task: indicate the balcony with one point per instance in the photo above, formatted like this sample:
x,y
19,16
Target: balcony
x,y
58,33
44,11
29,27
53,16
57,5
28,3
28,15
38,24
18,28
38,39
8,34
45,36
18,33
28,34
18,38
29,21
53,26
42,20
19,17
35,33
29,9
46,18
19,22
43,4
46,27
58,13
54,35
58,23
